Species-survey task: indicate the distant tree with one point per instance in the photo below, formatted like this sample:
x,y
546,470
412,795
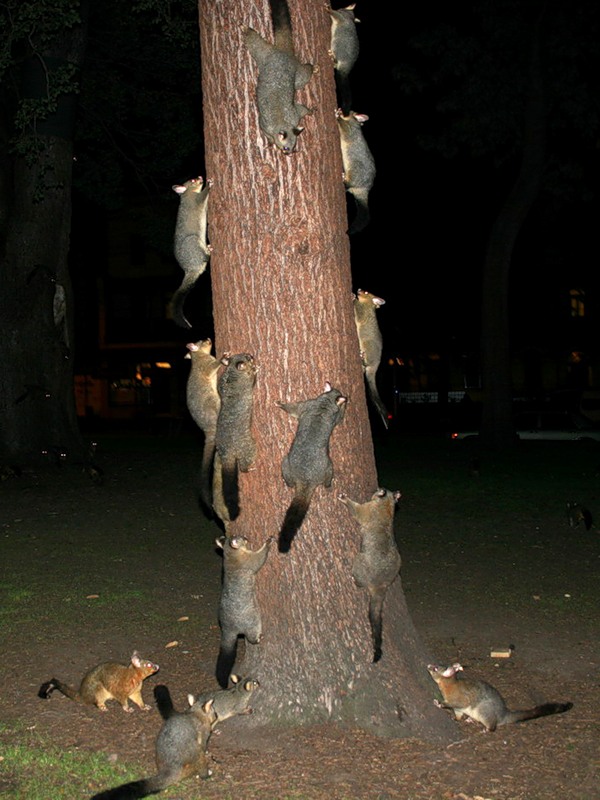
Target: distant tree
x,y
112,113
513,87
281,284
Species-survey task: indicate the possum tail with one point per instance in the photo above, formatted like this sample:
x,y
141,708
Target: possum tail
x,y
47,688
164,702
282,25
375,618
136,789
294,516
361,220
544,710
230,487
374,395
206,472
226,659
343,92
179,298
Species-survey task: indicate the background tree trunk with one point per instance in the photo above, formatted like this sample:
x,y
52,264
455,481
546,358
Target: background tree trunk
x,y
497,428
281,282
37,405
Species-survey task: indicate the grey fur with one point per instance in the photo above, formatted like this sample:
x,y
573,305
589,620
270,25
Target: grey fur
x,y
371,343
344,51
280,75
359,165
482,702
239,613
377,564
235,445
230,702
204,403
189,244
307,464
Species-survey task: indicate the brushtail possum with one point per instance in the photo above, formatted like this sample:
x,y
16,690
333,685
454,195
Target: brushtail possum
x,y
280,75
239,614
235,446
344,51
189,245
482,702
203,403
307,464
180,748
359,165
107,681
377,564
229,702
371,344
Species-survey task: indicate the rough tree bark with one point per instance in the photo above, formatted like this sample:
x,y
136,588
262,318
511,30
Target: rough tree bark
x,y
37,405
497,430
281,283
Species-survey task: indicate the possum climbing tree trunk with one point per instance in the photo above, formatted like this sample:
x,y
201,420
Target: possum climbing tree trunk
x,y
282,284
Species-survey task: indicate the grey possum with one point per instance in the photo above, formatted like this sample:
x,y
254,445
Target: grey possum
x,y
359,165
203,403
577,514
107,681
189,245
280,75
377,564
480,701
371,344
307,464
344,51
229,702
180,748
239,614
235,446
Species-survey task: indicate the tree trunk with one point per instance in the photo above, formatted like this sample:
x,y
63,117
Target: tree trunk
x,y
497,428
281,282
37,404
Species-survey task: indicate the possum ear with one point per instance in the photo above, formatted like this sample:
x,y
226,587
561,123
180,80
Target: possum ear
x,y
208,705
234,678
179,189
220,542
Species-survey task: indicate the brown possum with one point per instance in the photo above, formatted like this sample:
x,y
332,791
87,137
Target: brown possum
x,y
370,343
235,445
377,564
307,464
239,613
280,75
189,244
108,681
180,748
203,403
480,701
229,702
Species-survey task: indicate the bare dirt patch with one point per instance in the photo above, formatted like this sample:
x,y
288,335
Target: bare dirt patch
x,y
474,577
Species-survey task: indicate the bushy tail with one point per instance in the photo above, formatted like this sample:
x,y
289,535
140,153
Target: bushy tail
x,y
226,659
375,618
282,25
374,395
343,92
544,710
206,472
179,298
136,789
230,488
361,220
164,701
294,516
47,688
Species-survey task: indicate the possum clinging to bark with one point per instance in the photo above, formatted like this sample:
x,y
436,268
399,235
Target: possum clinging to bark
x,y
236,448
344,51
307,465
370,342
203,403
239,614
189,244
359,165
377,564
280,75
